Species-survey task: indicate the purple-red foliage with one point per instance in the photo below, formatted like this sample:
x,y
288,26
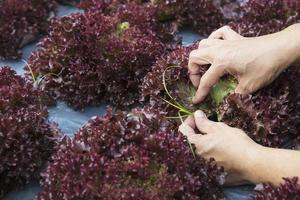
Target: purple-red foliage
x,y
271,115
289,190
21,22
260,17
26,137
91,57
132,156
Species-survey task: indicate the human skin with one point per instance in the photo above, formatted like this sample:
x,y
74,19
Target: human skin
x,y
244,160
255,62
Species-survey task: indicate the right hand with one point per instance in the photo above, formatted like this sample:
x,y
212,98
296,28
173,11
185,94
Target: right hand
x,y
230,147
255,62
244,160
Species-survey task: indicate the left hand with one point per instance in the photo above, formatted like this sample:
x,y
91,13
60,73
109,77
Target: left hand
x,y
230,147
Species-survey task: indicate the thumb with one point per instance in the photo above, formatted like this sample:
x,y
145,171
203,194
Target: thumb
x,y
208,80
203,124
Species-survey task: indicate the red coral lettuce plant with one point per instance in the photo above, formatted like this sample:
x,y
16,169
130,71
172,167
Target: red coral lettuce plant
x,y
26,138
290,189
89,57
139,155
22,22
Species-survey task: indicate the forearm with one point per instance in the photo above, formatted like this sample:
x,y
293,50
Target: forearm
x,y
290,42
271,165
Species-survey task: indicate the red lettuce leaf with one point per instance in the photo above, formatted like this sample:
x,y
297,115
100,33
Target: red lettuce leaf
x,y
90,57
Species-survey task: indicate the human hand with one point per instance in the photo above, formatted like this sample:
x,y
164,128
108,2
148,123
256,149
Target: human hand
x,y
255,62
230,147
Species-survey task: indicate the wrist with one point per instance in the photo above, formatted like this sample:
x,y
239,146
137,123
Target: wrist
x,y
253,171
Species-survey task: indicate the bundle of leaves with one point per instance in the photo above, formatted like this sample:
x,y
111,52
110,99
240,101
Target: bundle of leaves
x,y
171,70
260,17
122,156
22,22
89,57
290,189
271,116
26,137
167,86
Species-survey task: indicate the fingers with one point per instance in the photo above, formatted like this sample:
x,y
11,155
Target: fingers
x,y
208,80
203,124
225,33
198,57
189,133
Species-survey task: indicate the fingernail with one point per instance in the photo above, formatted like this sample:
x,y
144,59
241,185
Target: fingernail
x,y
200,114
